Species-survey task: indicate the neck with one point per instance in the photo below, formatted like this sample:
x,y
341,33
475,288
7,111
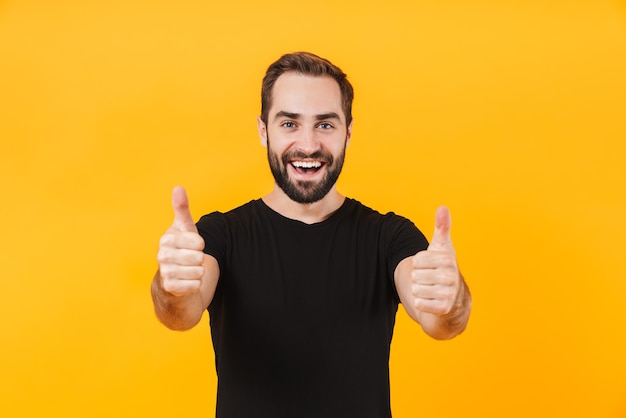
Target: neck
x,y
308,213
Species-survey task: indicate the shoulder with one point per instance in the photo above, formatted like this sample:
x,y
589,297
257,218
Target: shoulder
x,y
247,209
361,211
390,225
225,220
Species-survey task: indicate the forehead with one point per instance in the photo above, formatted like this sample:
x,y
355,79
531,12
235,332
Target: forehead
x,y
306,95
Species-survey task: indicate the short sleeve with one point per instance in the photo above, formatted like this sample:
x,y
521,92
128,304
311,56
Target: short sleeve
x,y
213,229
404,240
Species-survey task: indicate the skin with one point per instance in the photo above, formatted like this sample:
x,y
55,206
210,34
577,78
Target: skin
x,y
299,122
431,287
305,126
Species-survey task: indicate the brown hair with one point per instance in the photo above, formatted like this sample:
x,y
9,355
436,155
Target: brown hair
x,y
307,64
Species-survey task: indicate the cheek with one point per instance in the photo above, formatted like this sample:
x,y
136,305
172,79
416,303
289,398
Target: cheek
x,y
275,150
276,142
338,145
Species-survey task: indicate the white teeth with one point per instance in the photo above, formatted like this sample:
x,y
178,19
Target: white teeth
x,y
306,164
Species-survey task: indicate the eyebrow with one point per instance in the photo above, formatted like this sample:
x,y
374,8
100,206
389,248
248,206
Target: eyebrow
x,y
326,116
288,115
296,116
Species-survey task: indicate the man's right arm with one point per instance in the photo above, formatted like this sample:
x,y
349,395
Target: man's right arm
x,y
185,283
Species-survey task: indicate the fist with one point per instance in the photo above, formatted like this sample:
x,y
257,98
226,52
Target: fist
x,y
436,280
180,254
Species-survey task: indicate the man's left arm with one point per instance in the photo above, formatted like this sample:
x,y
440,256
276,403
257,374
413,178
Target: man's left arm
x,y
431,287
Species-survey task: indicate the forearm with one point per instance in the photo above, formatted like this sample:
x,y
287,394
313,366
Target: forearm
x,y
176,312
444,327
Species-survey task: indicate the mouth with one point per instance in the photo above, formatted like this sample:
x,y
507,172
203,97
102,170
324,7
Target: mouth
x,y
307,167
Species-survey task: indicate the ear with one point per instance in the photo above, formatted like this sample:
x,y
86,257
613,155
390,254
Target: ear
x,y
262,131
349,133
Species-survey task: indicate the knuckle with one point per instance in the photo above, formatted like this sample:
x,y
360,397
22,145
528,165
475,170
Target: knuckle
x,y
418,259
200,272
166,273
173,287
440,307
163,256
199,258
448,278
167,240
167,286
415,290
423,304
197,242
449,260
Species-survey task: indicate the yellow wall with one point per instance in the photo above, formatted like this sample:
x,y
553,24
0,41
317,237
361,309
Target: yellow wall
x,y
511,113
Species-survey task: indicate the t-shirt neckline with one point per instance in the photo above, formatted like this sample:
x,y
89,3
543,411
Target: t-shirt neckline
x,y
347,203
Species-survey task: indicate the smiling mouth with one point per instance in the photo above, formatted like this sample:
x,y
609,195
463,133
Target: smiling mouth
x,y
306,167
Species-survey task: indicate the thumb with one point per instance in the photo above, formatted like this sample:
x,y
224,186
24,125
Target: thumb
x,y
441,236
182,216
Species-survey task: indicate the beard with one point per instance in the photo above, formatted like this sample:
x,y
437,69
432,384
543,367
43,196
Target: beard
x,y
305,191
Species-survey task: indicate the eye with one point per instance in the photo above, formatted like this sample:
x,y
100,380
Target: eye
x,y
288,124
325,125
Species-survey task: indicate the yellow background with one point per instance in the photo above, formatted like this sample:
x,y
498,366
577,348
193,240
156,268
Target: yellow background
x,y
511,113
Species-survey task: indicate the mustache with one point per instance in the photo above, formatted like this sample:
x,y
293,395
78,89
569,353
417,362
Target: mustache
x,y
299,155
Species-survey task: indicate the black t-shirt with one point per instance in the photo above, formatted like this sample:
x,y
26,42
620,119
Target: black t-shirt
x,y
303,315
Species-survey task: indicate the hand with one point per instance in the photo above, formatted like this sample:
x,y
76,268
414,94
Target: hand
x,y
180,250
436,280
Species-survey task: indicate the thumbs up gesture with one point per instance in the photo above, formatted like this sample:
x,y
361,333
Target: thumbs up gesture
x,y
437,284
180,253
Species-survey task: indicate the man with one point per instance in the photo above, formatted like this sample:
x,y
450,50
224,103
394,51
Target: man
x,y
303,285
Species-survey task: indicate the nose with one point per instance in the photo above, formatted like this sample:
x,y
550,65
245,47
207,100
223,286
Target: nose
x,y
308,141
